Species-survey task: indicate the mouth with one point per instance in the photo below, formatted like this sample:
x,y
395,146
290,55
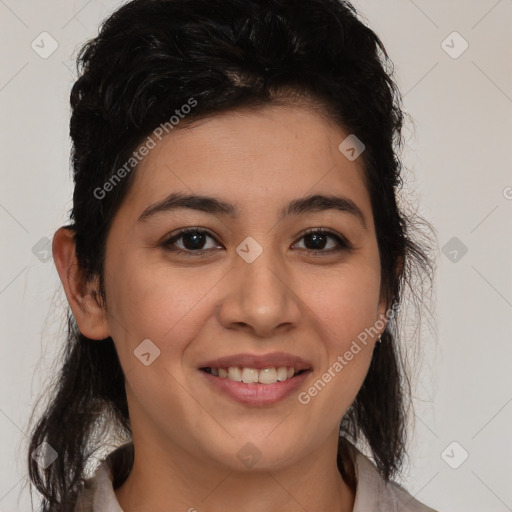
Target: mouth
x,y
256,380
248,375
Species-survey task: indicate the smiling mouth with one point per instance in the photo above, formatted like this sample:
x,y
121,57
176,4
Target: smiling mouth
x,y
270,375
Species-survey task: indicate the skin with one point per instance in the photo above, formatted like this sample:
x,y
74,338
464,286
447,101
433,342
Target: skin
x,y
194,308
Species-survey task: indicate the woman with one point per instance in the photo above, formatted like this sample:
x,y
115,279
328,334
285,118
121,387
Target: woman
x,y
234,266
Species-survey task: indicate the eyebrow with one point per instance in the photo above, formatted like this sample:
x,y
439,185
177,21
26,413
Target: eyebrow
x,y
215,206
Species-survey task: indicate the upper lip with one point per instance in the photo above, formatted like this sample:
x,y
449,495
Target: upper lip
x,y
274,359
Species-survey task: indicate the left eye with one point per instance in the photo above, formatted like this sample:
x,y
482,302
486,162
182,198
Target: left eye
x,y
317,238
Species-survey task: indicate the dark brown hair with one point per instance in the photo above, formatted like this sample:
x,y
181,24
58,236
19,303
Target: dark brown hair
x,y
150,58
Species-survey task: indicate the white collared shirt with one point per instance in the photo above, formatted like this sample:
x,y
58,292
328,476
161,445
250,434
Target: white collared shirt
x,y
373,494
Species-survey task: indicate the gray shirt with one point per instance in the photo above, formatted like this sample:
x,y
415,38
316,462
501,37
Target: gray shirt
x,y
373,494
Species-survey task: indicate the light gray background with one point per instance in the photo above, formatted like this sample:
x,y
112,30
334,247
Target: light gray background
x,y
458,152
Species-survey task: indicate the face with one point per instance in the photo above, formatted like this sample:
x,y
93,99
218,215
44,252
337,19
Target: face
x,y
251,287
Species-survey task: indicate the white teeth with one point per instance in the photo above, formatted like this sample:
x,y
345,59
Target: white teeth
x,y
252,375
249,375
234,373
268,376
282,373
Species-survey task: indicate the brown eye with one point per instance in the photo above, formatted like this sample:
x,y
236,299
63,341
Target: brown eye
x,y
193,241
190,240
318,240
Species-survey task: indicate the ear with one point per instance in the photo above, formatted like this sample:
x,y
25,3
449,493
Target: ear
x,y
384,303
81,295
382,309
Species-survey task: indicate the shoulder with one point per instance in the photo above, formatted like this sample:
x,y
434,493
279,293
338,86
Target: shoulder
x,y
98,492
374,494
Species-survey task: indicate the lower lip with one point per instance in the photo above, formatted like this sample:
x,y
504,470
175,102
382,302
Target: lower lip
x,y
257,394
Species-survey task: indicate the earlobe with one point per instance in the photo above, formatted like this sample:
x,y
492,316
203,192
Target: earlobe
x,y
82,296
383,315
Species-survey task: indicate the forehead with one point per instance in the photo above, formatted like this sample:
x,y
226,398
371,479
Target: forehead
x,y
256,158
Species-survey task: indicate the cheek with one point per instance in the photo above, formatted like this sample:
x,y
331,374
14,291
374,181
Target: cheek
x,y
344,308
344,303
153,302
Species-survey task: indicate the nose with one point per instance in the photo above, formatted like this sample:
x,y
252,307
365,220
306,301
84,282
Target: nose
x,y
260,298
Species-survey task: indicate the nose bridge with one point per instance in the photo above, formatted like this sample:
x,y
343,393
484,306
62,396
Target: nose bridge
x,y
260,297
261,286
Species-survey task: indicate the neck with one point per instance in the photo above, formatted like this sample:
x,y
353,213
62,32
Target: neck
x,y
164,477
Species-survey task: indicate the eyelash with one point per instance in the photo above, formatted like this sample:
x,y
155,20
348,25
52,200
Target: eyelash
x,y
343,243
